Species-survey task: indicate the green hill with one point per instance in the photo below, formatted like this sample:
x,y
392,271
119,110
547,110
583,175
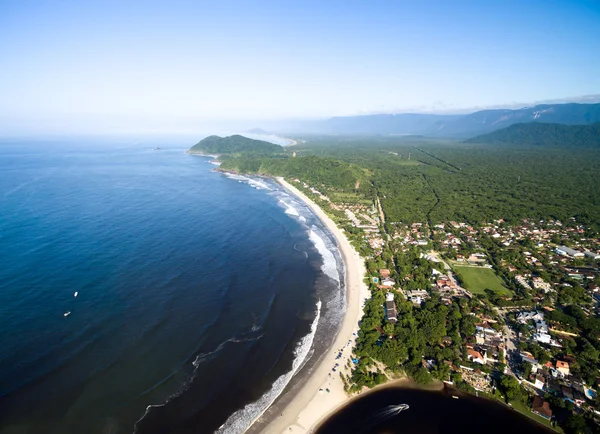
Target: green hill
x,y
234,145
543,134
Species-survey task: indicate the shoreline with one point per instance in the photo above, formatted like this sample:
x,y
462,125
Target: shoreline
x,y
312,403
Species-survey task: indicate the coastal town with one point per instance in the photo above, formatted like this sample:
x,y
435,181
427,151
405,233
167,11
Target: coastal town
x,y
504,309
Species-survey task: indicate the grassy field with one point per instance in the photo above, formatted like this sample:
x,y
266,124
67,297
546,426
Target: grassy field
x,y
477,279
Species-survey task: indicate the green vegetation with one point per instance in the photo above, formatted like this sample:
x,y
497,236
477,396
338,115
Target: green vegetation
x,y
422,180
234,145
541,134
478,279
317,171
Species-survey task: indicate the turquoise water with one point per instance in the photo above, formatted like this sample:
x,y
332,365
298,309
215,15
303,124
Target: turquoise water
x,y
196,291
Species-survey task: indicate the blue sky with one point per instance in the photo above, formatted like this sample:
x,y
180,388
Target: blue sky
x,y
176,62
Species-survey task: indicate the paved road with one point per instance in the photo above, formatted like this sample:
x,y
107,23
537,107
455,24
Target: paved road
x,y
511,339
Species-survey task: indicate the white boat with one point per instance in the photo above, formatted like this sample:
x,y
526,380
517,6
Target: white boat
x,y
76,294
67,313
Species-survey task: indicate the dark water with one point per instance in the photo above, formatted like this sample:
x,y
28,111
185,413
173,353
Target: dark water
x,y
199,295
429,412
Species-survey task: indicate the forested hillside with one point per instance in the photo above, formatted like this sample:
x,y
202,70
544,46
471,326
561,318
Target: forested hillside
x,y
234,144
542,134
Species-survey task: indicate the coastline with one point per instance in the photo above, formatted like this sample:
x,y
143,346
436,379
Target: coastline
x,y
312,403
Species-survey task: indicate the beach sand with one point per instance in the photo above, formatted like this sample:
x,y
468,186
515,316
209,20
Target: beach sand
x,y
312,403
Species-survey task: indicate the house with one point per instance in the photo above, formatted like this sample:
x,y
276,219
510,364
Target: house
x,y
541,408
388,282
539,382
384,272
542,337
390,308
562,367
417,296
475,356
524,317
486,328
567,393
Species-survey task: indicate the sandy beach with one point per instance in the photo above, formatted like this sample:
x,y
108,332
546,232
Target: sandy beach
x,y
323,391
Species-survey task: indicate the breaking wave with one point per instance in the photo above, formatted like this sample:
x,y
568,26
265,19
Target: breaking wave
x,y
289,209
329,267
242,419
252,182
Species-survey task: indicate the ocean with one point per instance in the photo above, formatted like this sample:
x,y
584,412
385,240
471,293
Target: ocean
x,y
200,296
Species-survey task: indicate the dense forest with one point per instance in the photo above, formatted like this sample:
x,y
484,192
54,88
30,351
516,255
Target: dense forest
x,y
424,180
234,145
542,134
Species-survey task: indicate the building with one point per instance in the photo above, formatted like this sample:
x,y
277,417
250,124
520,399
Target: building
x,y
567,251
390,308
524,317
541,408
592,255
387,282
563,367
476,356
486,329
384,272
540,381
417,296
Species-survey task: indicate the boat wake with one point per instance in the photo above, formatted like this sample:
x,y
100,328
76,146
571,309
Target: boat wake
x,y
384,414
204,356
196,363
242,419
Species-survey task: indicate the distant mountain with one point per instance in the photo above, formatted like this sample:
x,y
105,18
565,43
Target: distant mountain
x,y
458,126
258,131
486,121
544,134
234,145
402,124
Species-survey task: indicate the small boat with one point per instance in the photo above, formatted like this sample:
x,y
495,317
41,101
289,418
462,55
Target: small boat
x,y
454,396
67,313
76,294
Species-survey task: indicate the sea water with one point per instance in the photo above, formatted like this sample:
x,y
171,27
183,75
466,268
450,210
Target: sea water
x,y
201,296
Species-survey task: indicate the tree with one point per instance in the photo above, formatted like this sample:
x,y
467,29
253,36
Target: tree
x,y
510,388
421,375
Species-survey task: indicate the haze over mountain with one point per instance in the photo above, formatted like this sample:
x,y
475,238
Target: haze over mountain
x,y
461,126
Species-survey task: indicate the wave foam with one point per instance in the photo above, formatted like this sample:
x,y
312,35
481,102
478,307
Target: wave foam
x,y
242,419
289,209
329,266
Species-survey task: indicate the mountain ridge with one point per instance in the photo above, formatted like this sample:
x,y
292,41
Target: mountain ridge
x,y
457,126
